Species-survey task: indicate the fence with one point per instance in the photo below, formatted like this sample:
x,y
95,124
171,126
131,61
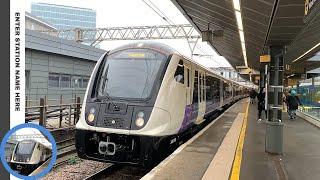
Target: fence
x,y
61,100
45,112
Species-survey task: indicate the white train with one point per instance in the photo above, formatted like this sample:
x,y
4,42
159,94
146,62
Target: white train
x,y
143,97
28,154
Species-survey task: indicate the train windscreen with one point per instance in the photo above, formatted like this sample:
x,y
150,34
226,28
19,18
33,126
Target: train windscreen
x,y
25,147
130,73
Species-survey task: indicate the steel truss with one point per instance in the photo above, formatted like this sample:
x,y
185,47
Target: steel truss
x,y
97,35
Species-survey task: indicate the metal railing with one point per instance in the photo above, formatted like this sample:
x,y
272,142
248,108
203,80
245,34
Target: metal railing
x,y
61,100
44,112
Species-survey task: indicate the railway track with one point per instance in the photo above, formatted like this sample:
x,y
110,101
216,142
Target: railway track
x,y
119,171
100,172
65,150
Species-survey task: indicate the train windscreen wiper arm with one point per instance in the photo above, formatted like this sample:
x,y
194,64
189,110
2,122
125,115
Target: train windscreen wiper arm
x,y
105,93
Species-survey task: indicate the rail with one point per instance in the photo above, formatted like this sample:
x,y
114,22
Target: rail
x,y
107,170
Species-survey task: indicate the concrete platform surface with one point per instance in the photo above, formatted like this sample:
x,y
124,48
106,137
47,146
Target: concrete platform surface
x,y
301,156
213,150
191,161
301,151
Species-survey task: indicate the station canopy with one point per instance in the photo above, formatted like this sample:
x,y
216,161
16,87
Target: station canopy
x,y
294,24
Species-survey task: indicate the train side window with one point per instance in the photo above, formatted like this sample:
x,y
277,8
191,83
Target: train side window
x,y
203,87
195,88
179,74
209,89
216,90
200,86
188,76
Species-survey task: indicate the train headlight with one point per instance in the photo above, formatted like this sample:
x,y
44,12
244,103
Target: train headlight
x,y
90,116
92,111
140,114
140,121
28,159
15,158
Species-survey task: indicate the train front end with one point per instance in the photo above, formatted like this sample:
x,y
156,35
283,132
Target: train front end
x,y
117,118
24,156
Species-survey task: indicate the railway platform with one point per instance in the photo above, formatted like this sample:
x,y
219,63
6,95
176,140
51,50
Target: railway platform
x,y
233,147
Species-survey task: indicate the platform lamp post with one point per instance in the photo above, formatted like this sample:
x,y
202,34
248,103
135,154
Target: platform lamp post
x,y
274,125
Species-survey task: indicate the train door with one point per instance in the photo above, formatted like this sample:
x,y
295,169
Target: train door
x,y
195,95
202,104
187,83
221,93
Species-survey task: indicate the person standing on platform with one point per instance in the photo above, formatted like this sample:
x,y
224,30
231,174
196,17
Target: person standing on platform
x,y
293,103
253,95
261,102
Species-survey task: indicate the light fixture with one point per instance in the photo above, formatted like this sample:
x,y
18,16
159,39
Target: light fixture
x,y
237,10
241,36
306,52
90,117
140,44
140,121
243,45
239,20
236,5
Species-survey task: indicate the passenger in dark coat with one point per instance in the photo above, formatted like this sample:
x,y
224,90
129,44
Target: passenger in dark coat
x,y
293,103
261,102
253,95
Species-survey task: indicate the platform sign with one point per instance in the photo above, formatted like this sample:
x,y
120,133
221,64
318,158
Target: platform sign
x,y
265,58
207,36
308,4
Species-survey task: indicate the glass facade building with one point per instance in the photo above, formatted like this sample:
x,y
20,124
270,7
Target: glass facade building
x,y
309,94
309,90
65,17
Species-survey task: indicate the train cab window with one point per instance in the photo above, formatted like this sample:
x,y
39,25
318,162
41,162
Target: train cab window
x,y
25,148
179,74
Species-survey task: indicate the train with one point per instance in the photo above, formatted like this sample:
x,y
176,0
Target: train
x,y
28,154
142,97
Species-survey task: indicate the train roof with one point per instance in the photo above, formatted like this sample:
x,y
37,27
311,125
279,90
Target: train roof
x,y
167,50
163,48
40,141
32,134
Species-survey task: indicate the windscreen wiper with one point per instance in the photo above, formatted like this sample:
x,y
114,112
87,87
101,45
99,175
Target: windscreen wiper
x,y
106,94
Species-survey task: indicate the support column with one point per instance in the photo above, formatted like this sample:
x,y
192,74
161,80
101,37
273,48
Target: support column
x,y
274,134
275,84
262,81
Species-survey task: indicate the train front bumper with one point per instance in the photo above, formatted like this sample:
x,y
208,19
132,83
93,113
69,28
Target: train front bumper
x,y
130,149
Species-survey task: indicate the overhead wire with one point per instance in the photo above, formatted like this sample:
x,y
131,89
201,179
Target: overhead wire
x,y
164,15
170,22
158,12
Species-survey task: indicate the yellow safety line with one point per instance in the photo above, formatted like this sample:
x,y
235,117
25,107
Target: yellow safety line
x,y
235,173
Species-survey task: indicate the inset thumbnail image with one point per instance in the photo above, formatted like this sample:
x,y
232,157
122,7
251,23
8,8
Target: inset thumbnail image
x,y
28,152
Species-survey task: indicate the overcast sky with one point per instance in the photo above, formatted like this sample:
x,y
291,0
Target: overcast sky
x,y
114,13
